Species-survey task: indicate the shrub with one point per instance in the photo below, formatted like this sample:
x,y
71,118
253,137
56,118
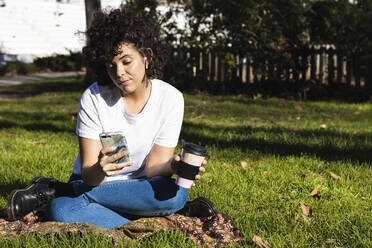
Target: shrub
x,y
59,63
18,68
71,62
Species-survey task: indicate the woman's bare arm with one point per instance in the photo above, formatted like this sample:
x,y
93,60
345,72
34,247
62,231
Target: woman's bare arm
x,y
159,161
95,164
162,162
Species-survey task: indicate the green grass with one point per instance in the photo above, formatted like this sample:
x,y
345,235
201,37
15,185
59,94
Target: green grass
x,y
286,152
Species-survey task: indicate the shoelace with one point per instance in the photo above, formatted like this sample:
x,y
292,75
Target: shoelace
x,y
42,199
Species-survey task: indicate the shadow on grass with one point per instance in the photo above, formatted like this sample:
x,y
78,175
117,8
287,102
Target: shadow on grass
x,y
68,84
327,152
35,126
191,132
39,121
5,190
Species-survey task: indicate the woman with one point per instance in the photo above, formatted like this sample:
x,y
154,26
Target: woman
x,y
127,53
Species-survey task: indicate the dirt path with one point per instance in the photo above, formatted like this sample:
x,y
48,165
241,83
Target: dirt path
x,y
8,81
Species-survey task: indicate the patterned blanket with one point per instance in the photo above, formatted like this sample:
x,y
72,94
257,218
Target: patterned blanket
x,y
213,231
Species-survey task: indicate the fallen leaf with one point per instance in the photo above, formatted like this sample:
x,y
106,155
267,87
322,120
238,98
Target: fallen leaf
x,y
244,164
228,165
38,142
307,211
299,108
259,242
314,192
356,113
8,134
257,96
323,126
202,114
255,119
335,176
268,172
345,125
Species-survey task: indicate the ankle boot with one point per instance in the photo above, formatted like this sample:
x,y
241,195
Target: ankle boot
x,y
199,207
36,196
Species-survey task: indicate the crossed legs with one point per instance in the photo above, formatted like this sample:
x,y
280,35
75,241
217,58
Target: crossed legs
x,y
118,202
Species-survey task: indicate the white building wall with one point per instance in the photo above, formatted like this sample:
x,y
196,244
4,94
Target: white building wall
x,y
37,28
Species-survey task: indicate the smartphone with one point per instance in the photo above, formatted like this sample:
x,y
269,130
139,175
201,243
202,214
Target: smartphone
x,y
118,140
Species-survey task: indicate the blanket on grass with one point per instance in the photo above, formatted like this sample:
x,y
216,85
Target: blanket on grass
x,y
213,231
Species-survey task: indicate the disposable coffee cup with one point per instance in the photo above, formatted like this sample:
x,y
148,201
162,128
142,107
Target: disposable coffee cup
x,y
192,157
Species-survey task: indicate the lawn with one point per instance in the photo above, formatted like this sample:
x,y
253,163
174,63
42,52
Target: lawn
x,y
297,174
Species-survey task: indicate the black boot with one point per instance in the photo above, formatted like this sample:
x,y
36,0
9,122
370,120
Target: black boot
x,y
199,207
35,197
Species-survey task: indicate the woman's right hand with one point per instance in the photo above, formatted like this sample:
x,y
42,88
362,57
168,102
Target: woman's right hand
x,y
107,163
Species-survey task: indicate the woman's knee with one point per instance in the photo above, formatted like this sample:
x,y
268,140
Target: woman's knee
x,y
180,199
177,202
169,197
165,188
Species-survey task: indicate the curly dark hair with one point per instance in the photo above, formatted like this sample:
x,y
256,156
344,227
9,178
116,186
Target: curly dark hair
x,y
111,28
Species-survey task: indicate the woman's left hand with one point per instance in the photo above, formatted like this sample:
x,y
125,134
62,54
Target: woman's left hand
x,y
201,169
174,165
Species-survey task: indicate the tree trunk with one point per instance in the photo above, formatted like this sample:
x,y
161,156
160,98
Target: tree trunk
x,y
91,6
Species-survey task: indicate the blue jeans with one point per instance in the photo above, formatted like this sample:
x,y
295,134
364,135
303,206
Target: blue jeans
x,y
118,202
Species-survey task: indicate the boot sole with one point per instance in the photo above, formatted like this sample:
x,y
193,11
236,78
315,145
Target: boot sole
x,y
209,203
10,207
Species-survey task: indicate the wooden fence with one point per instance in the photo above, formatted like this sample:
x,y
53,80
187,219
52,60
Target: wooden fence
x,y
321,65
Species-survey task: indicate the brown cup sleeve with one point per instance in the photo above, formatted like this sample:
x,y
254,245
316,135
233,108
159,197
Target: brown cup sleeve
x,y
187,171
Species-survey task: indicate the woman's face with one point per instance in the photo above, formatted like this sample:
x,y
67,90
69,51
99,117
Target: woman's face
x,y
127,69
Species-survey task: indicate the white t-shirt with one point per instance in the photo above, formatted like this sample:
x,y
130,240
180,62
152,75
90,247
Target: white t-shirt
x,y
103,110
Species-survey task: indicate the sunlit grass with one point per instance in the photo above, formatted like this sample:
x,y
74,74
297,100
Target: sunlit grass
x,y
265,157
